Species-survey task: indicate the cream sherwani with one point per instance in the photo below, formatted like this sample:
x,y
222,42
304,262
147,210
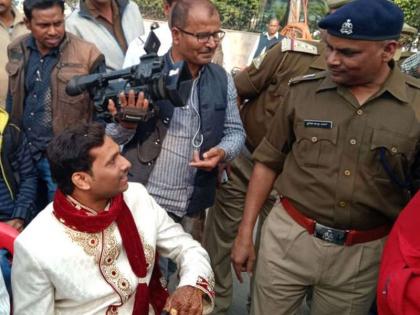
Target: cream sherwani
x,y
57,270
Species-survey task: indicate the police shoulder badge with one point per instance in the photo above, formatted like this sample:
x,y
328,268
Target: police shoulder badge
x,y
257,61
347,27
288,44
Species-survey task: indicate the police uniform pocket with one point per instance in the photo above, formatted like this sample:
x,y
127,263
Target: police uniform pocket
x,y
315,147
390,152
276,93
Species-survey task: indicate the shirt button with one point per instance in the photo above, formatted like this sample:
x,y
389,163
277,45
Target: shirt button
x,y
359,112
353,141
32,114
30,143
342,204
314,139
394,150
34,95
29,129
347,173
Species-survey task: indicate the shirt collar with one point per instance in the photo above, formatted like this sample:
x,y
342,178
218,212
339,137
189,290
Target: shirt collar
x,y
276,35
88,9
394,84
31,44
79,206
93,11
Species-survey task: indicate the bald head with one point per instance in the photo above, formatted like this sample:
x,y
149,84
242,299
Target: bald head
x,y
181,10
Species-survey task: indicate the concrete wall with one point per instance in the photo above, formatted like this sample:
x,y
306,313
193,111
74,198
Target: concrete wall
x,y
237,46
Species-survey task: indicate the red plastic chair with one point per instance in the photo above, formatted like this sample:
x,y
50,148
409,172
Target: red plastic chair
x,y
7,236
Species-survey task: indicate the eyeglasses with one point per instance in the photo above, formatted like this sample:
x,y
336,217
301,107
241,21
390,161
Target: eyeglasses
x,y
205,37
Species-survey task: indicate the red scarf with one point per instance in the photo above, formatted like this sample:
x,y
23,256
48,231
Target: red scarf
x,y
153,293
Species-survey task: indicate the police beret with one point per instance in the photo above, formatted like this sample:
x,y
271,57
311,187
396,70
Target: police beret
x,y
365,20
335,4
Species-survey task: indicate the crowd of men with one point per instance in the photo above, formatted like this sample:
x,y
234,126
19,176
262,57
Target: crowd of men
x,y
319,140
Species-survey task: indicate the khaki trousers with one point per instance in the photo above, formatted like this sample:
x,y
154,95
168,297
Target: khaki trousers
x,y
222,227
290,261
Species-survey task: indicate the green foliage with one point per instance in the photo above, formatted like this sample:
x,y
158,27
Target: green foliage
x,y
411,9
235,14
151,9
238,14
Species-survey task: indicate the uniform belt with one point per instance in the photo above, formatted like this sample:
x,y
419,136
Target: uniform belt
x,y
332,235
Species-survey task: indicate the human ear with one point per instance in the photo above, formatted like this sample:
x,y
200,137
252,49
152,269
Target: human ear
x,y
27,23
81,180
389,49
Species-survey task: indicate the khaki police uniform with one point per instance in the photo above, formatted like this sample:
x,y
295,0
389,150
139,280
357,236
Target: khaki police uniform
x,y
343,165
265,84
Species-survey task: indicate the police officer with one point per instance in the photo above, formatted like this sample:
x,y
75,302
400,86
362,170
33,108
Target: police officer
x,y
342,152
264,84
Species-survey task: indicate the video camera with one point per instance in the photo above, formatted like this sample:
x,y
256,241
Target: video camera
x,y
148,77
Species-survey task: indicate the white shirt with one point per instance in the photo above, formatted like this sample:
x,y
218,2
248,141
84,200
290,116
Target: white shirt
x,y
57,270
136,47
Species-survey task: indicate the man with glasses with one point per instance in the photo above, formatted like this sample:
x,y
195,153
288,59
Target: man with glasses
x,y
163,32
176,155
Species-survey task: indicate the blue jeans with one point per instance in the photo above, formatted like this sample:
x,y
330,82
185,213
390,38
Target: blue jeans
x,y
5,269
44,174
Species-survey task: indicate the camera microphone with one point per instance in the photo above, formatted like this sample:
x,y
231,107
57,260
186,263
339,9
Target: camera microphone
x,y
73,88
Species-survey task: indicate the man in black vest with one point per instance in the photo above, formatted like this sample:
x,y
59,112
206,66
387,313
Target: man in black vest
x,y
176,154
267,39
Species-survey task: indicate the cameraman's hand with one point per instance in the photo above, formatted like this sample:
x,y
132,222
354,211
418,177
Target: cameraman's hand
x,y
210,160
128,101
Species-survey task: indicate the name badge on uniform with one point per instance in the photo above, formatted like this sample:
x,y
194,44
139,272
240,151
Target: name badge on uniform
x,y
325,124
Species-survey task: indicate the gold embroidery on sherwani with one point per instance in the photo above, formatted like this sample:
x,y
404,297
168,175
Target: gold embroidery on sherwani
x,y
88,241
109,268
105,257
149,252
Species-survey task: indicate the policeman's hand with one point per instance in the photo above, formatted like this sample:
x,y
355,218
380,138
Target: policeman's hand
x,y
210,160
186,300
242,255
128,101
16,223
